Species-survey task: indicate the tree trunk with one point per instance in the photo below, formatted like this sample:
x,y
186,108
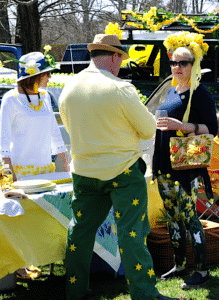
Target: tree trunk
x,y
28,28
5,36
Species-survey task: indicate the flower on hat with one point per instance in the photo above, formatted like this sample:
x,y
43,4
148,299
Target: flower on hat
x,y
194,41
47,48
31,67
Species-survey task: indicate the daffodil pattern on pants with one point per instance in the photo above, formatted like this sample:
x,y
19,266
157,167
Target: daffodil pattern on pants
x,y
91,204
181,216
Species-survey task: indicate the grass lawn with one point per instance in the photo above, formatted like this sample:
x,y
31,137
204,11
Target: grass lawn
x,y
105,287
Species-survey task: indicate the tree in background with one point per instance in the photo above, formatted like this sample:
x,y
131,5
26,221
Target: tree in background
x,y
5,36
176,6
28,29
65,22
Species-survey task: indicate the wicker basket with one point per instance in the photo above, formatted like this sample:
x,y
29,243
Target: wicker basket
x,y
160,247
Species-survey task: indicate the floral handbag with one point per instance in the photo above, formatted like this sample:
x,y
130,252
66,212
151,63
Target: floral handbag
x,y
191,152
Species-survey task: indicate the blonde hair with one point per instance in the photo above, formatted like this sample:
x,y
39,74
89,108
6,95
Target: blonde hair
x,y
184,51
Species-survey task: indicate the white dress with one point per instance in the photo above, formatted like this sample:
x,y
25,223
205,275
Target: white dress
x,y
29,137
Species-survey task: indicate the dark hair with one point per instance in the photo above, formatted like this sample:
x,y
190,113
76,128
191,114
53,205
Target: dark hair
x,y
28,83
95,53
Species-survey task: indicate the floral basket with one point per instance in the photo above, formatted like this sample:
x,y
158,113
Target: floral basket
x,y
191,152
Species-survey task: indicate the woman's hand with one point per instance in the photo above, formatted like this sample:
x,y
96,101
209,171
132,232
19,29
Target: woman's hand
x,y
169,124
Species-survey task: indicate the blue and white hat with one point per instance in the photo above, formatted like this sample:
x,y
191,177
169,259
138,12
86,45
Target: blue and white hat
x,y
35,63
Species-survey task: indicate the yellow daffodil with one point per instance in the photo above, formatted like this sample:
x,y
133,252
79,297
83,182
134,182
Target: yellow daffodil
x,y
113,28
168,203
1,64
189,206
47,48
191,213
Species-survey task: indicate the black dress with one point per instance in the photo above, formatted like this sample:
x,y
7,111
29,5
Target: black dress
x,y
203,111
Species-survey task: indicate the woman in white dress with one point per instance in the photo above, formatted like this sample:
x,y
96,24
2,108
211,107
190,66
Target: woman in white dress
x,y
29,132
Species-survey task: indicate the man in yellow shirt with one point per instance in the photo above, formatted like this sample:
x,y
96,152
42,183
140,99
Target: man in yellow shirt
x,y
105,119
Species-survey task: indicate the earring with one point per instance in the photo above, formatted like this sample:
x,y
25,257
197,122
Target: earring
x,y
35,87
189,83
174,82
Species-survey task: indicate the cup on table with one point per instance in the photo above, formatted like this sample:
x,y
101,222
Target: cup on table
x,y
161,114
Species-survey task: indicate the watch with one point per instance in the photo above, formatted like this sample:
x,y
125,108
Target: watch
x,y
196,128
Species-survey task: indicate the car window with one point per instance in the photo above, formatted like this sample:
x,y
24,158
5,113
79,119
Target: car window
x,y
159,95
53,102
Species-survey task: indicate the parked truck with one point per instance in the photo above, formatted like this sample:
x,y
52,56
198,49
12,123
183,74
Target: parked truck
x,y
147,73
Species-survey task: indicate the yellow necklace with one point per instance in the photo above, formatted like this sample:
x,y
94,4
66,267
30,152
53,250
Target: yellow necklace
x,y
35,107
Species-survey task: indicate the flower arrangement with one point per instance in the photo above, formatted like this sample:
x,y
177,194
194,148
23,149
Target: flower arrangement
x,y
113,28
155,19
193,41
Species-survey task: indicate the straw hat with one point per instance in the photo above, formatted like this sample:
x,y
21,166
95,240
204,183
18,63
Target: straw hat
x,y
108,42
35,63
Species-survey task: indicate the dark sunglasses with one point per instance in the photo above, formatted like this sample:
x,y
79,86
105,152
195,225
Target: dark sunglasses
x,y
182,63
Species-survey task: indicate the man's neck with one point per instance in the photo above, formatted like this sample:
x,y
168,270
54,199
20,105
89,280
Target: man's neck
x,y
98,66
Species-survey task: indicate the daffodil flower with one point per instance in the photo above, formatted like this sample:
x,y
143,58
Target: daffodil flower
x,y
32,67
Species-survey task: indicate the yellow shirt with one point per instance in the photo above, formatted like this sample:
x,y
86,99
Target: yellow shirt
x,y
105,119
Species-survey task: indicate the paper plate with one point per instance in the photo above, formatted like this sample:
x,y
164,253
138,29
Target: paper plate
x,y
33,190
37,183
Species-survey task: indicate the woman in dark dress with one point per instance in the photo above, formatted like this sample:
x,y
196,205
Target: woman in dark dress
x,y
179,189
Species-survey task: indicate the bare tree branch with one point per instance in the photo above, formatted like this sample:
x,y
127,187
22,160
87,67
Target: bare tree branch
x,y
28,3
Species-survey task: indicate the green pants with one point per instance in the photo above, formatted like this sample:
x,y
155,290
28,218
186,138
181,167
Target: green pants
x,y
91,204
181,216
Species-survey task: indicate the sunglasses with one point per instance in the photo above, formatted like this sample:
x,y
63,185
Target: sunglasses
x,y
182,63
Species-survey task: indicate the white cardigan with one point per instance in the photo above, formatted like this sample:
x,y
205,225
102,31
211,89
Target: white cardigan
x,y
29,137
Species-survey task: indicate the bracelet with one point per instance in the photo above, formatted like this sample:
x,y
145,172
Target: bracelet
x,y
196,128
